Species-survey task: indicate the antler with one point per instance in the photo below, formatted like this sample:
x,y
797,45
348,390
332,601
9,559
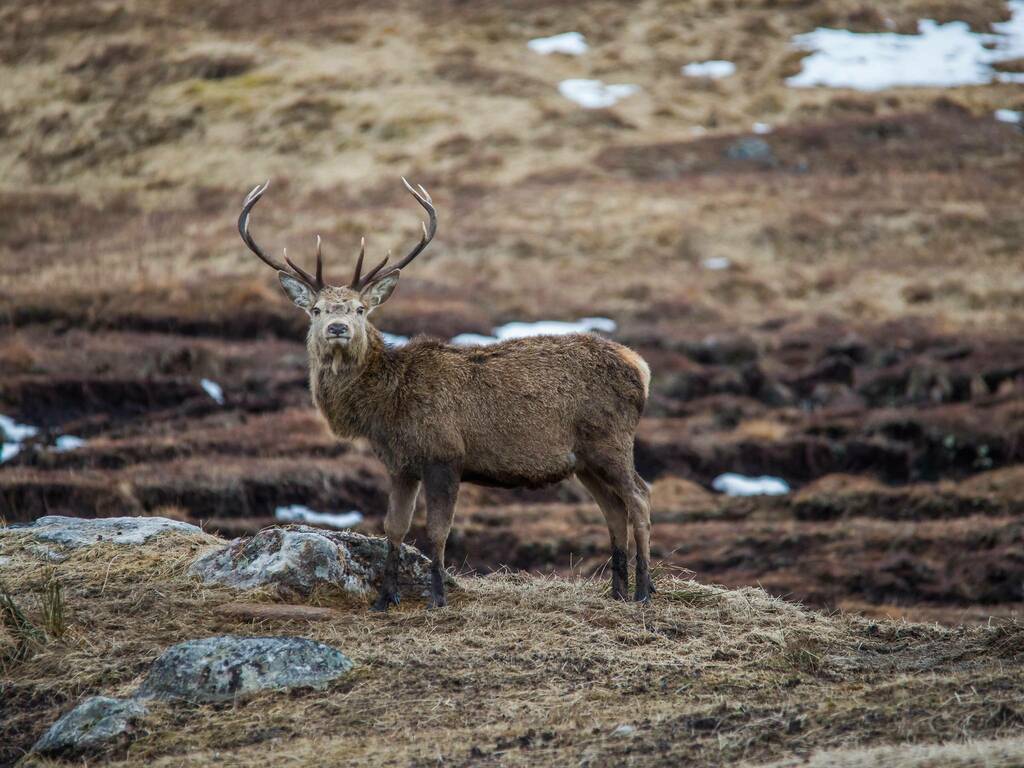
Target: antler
x,y
359,281
316,283
429,230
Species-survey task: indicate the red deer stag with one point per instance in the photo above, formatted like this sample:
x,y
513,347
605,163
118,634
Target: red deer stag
x,y
523,412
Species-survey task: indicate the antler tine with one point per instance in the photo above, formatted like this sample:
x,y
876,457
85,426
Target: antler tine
x,y
359,264
319,264
243,226
370,275
316,283
429,230
300,272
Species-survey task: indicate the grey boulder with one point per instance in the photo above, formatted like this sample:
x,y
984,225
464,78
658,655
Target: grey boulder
x,y
222,668
75,532
97,724
298,559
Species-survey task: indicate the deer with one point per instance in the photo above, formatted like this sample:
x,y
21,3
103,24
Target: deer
x,y
524,412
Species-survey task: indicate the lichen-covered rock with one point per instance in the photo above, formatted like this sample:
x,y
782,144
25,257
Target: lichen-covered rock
x,y
97,724
72,532
296,559
220,668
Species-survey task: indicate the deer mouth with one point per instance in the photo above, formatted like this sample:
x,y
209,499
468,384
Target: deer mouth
x,y
341,339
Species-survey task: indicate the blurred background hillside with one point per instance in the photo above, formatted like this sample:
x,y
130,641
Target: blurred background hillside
x,y
826,280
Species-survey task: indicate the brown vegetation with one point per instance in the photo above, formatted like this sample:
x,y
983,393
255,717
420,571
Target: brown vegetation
x,y
537,671
864,341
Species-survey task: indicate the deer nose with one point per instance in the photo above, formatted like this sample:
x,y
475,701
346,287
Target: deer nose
x,y
337,329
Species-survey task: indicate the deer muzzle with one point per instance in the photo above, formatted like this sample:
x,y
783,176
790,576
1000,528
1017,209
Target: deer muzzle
x,y
338,331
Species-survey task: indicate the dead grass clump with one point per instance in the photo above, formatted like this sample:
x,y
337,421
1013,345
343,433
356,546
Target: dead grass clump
x,y
25,635
53,608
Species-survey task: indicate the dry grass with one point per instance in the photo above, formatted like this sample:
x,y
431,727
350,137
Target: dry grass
x,y
519,670
127,153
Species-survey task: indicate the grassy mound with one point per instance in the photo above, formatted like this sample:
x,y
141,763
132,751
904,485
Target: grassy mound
x,y
518,670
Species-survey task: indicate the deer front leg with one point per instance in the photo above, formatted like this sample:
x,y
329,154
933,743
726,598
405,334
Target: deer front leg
x,y
401,504
442,487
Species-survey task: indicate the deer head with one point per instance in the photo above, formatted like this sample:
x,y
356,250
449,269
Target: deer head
x,y
338,313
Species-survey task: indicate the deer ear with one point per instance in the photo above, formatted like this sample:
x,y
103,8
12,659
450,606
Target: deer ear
x,y
380,291
297,290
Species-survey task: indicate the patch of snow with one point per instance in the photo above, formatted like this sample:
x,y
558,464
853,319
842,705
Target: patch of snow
x,y
15,432
1009,116
67,443
468,339
761,128
394,340
594,94
554,328
297,513
213,389
540,328
717,263
940,55
569,43
732,484
11,436
714,69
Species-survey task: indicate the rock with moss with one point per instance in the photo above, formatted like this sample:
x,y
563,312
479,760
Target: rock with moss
x,y
98,724
73,532
298,559
226,667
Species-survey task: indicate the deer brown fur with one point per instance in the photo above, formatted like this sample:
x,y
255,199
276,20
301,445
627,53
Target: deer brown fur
x,y
523,412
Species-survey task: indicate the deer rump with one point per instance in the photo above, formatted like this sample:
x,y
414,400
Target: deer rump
x,y
521,413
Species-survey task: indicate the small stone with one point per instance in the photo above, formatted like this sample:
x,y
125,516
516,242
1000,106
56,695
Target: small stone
x,y
624,730
223,668
751,150
97,724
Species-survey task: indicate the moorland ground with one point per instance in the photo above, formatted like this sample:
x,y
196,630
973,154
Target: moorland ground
x,y
520,669
864,341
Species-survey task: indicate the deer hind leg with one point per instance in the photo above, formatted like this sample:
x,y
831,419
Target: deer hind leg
x,y
441,482
640,513
401,504
617,518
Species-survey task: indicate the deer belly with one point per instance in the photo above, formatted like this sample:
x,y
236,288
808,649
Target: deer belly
x,y
519,471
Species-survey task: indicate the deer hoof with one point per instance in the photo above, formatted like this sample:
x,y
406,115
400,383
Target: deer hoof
x,y
385,601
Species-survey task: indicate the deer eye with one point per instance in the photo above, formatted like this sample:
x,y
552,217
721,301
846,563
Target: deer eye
x,y
360,310
316,311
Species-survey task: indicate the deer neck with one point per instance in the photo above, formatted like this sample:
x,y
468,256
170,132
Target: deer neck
x,y
346,382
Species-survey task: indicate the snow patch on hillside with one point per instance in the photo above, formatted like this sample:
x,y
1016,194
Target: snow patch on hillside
x,y
938,56
569,43
595,94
